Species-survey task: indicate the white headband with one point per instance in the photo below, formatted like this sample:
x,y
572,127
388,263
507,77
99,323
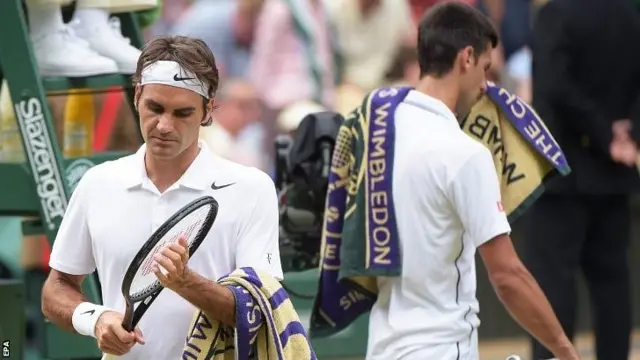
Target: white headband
x,y
171,73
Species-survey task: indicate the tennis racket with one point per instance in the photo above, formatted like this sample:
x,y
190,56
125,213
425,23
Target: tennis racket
x,y
140,284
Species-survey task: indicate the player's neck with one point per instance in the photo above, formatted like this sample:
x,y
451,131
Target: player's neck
x,y
165,172
443,88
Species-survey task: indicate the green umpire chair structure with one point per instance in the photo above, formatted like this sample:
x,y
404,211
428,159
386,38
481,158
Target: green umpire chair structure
x,y
38,188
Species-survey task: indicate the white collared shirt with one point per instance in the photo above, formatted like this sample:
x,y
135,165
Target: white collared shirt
x,y
447,202
115,208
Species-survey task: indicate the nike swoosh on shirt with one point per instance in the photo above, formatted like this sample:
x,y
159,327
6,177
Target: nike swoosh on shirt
x,y
218,187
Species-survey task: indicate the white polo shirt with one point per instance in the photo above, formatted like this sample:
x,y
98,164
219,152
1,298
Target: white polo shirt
x,y
447,202
115,209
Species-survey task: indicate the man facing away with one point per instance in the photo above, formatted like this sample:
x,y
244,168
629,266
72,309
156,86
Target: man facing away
x,y
118,204
448,204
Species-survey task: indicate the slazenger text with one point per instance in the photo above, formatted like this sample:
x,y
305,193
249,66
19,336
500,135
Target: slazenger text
x,y
46,173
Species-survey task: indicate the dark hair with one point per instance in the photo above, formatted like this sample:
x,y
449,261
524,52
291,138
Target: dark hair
x,y
192,54
445,30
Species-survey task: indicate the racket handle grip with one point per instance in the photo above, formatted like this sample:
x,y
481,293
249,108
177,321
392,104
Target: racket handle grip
x,y
127,320
109,357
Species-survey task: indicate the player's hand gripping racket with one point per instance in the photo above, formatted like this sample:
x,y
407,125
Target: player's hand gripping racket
x,y
140,284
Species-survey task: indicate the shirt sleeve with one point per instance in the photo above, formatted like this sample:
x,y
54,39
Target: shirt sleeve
x,y
258,244
72,251
475,192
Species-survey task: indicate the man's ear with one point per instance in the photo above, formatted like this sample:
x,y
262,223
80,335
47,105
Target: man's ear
x,y
467,58
136,96
208,115
211,104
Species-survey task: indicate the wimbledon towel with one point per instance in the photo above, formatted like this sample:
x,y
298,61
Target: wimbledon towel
x,y
524,152
267,325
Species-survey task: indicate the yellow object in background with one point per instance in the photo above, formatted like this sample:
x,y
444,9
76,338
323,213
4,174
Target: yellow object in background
x,y
11,149
79,119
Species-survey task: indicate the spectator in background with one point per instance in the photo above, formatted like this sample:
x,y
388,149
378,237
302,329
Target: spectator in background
x,y
586,81
405,69
293,59
369,33
293,54
514,20
518,70
236,133
171,12
419,7
227,27
289,118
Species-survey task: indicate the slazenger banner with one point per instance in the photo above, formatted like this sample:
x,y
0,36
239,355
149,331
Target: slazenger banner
x,y
42,158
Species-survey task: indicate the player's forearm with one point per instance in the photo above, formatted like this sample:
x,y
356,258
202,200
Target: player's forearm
x,y
526,302
215,300
60,297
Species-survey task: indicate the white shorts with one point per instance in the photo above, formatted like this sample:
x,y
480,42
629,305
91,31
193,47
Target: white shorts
x,y
462,350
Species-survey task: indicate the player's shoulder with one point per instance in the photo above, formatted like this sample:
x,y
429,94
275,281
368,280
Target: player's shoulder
x,y
460,151
114,167
471,147
471,154
468,148
240,184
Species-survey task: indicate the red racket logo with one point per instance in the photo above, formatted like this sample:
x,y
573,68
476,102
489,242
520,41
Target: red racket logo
x,y
147,266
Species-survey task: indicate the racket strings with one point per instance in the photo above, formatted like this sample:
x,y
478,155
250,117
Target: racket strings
x,y
147,266
190,227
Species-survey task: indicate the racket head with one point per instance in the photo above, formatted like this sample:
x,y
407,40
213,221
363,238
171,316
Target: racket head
x,y
193,221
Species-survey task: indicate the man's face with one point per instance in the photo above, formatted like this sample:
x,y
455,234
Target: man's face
x,y
473,78
170,119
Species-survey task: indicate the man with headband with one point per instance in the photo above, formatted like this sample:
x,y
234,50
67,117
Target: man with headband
x,y
117,205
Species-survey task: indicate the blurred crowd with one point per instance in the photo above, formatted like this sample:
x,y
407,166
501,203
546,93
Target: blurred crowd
x,y
282,59
278,59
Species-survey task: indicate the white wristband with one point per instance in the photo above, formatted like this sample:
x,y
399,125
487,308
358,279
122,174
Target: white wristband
x,y
85,317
